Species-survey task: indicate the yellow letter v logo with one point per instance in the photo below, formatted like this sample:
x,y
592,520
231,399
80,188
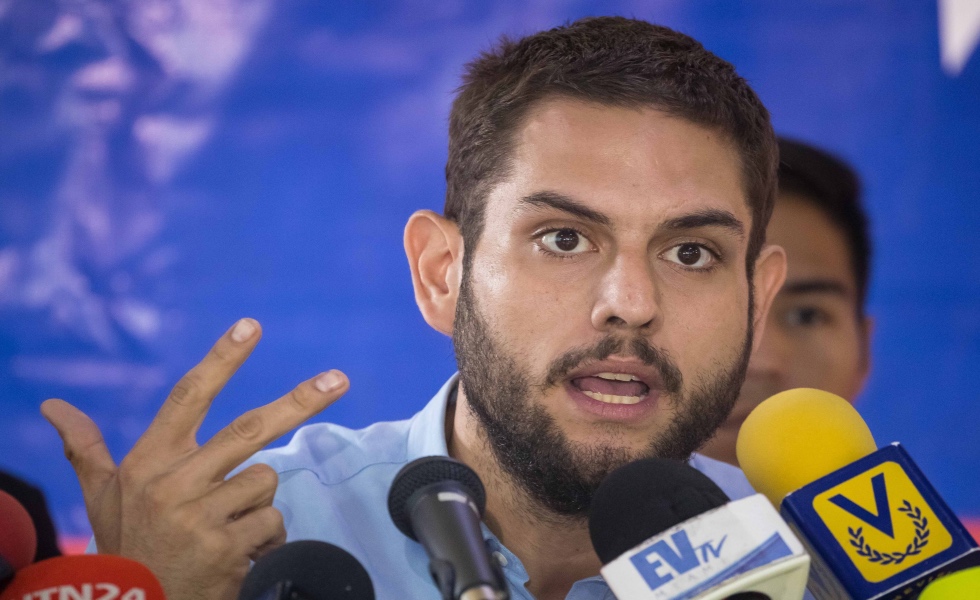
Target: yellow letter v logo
x,y
881,521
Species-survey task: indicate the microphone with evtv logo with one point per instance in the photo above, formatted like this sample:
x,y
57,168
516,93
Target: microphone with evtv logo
x,y
665,531
85,577
871,521
439,502
18,540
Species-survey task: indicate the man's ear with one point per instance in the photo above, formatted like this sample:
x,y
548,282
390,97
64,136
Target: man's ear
x,y
434,248
770,273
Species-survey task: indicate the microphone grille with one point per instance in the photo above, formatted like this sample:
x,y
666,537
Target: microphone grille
x,y
317,571
426,471
642,499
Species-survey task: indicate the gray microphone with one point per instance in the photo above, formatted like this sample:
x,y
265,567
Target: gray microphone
x,y
439,502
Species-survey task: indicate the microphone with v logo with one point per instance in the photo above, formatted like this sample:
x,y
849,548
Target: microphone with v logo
x,y
874,526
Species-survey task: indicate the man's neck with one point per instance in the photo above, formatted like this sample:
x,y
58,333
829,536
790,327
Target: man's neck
x,y
555,551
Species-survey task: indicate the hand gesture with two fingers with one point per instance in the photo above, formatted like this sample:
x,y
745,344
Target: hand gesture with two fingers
x,y
168,503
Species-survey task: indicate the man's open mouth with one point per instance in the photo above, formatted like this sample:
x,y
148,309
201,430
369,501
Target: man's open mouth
x,y
612,388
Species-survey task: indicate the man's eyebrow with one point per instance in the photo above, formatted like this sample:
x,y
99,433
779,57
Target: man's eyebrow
x,y
707,218
816,286
548,199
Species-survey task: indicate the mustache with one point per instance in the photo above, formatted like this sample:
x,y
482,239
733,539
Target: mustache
x,y
637,348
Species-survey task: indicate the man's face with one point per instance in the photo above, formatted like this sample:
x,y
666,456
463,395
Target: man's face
x,y
606,313
814,336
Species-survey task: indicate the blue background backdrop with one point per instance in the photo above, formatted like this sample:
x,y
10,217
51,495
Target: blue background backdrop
x,y
167,167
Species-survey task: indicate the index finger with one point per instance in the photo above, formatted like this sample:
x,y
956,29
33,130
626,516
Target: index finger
x,y
188,402
250,432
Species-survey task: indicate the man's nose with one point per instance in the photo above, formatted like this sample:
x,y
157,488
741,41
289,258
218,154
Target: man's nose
x,y
628,296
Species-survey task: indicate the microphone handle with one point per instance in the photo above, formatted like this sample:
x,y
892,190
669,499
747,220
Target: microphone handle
x,y
459,558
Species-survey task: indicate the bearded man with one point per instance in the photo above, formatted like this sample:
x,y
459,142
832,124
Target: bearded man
x,y
601,268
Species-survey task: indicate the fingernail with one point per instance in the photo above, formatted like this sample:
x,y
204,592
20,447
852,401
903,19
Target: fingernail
x,y
329,381
243,330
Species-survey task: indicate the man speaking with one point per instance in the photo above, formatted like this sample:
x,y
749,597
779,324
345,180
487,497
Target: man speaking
x,y
601,268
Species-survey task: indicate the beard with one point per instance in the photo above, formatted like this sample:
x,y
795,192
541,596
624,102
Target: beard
x,y
558,475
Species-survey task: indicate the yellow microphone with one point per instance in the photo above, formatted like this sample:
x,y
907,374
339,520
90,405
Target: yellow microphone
x,y
815,432
959,585
870,520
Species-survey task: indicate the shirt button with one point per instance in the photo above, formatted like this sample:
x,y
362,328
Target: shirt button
x,y
500,558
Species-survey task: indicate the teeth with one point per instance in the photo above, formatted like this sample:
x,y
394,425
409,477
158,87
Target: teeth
x,y
611,399
617,376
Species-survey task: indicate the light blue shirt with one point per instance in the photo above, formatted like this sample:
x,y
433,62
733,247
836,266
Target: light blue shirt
x,y
333,486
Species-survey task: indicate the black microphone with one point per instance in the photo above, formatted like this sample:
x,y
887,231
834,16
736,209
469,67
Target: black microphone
x,y
439,502
664,530
307,570
643,498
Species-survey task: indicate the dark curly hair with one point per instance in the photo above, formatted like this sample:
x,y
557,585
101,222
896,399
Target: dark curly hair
x,y
613,61
833,186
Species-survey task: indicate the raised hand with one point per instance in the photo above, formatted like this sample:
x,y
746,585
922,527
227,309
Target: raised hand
x,y
168,504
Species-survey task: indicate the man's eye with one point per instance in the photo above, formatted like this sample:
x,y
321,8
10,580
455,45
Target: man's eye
x,y
565,241
691,255
805,316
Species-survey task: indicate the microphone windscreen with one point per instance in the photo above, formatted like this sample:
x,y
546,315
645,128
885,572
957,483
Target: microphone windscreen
x,y
798,436
85,576
426,471
316,570
642,499
955,586
18,539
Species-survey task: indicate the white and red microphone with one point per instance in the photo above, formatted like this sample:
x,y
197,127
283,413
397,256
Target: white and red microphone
x,y
84,577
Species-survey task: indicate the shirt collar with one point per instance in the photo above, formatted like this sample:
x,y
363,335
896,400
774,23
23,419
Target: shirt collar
x,y
427,433
427,437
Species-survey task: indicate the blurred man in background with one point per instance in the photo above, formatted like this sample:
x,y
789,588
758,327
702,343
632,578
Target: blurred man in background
x,y
817,334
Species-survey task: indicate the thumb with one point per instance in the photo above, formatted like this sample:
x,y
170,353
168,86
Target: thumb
x,y
85,448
